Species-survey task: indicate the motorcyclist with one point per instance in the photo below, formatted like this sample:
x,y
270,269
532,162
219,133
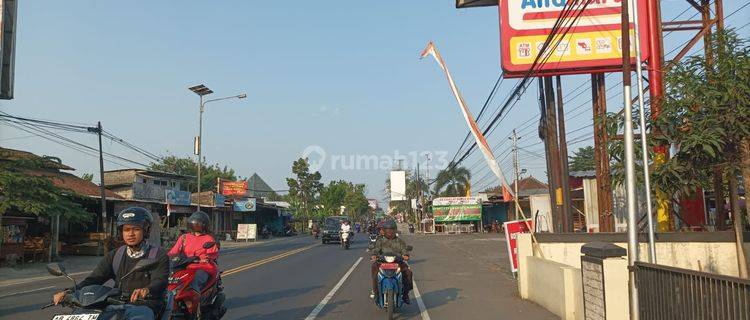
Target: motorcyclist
x,y
191,245
144,289
346,227
372,228
390,243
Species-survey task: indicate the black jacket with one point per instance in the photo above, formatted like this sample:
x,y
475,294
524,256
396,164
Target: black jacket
x,y
154,279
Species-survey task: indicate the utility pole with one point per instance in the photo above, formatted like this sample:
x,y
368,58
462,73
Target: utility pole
x,y
564,174
601,156
629,162
198,150
517,174
554,159
98,130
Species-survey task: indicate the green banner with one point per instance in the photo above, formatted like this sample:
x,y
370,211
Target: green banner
x,y
457,209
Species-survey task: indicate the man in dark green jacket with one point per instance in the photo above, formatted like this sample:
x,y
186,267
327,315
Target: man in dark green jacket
x,y
390,243
143,289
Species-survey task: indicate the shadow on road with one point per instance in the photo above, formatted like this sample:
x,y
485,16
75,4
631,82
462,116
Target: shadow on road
x,y
440,297
293,313
266,297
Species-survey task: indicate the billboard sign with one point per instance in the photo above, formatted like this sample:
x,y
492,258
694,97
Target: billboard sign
x,y
455,209
247,231
233,188
244,205
177,197
398,185
593,44
219,200
512,229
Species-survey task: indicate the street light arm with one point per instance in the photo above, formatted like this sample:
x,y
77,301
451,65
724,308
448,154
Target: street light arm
x,y
239,96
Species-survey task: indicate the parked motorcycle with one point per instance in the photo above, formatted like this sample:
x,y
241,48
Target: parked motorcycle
x,y
90,302
345,240
390,287
185,303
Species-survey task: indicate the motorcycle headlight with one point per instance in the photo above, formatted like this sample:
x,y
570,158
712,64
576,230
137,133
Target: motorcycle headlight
x,y
390,259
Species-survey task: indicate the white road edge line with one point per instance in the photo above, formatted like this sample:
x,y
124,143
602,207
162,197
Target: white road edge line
x,y
27,291
328,297
9,283
420,303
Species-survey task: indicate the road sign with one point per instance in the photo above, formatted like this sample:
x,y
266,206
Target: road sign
x,y
512,229
245,205
591,45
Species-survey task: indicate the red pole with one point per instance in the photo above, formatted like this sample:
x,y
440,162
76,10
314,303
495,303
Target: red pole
x,y
656,58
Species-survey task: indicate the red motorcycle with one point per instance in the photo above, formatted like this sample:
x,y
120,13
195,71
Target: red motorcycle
x,y
185,303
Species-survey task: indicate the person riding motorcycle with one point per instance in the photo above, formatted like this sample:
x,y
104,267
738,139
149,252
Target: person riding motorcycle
x,y
390,243
191,245
346,227
372,228
144,289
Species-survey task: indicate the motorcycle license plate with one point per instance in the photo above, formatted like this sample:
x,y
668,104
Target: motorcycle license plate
x,y
389,266
85,316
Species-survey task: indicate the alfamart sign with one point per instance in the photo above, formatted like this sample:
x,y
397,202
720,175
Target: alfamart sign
x,y
455,209
593,43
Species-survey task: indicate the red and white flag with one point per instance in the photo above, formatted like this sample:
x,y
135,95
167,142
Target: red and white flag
x,y
431,50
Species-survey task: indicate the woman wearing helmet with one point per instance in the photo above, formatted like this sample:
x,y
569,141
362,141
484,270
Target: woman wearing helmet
x,y
192,243
144,288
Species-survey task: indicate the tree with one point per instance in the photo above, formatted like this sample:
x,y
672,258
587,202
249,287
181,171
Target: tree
x,y
26,193
582,160
303,188
332,196
453,181
188,167
705,117
88,177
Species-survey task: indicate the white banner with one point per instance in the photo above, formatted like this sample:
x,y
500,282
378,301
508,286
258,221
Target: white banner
x,y
398,185
247,231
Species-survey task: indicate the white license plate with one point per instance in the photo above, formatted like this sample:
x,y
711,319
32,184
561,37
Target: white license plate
x,y
85,316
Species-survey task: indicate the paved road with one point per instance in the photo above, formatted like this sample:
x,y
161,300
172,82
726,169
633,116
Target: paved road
x,y
458,277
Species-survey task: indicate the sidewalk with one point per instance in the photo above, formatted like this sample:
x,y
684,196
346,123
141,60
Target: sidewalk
x,y
79,265
473,271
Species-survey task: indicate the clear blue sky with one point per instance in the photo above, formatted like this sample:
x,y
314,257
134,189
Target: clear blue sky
x,y
343,75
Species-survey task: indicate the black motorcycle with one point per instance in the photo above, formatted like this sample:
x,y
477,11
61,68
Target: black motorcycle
x,y
91,302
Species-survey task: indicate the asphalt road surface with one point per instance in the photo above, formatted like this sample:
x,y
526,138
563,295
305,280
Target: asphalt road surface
x,y
456,277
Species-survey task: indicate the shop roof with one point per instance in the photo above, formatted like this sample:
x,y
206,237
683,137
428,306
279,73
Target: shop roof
x,y
48,161
155,173
71,182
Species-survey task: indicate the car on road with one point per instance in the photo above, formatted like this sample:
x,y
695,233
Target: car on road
x,y
332,228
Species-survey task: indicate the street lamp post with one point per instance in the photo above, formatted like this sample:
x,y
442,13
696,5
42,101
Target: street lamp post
x,y
201,90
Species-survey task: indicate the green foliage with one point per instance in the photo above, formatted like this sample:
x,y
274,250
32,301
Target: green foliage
x,y
88,177
304,188
31,194
705,114
582,160
188,167
453,181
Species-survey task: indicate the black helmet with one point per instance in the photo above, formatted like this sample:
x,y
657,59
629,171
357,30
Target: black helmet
x,y
389,224
198,221
135,216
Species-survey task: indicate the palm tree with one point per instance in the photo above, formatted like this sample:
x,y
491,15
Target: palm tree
x,y
453,181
